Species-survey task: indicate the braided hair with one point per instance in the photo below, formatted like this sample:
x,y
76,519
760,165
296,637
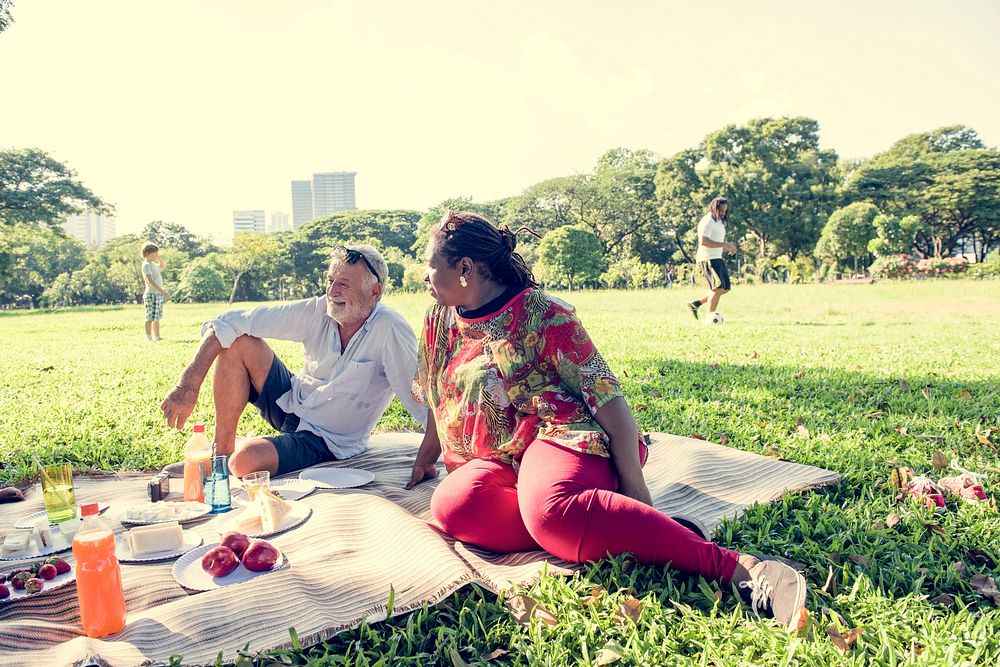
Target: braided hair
x,y
467,234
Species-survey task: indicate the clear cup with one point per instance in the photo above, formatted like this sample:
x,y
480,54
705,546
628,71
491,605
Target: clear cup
x,y
57,491
216,486
256,481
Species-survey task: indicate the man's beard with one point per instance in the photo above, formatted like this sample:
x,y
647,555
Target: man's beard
x,y
350,313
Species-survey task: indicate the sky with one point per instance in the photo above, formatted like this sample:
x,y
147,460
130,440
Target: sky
x,y
185,111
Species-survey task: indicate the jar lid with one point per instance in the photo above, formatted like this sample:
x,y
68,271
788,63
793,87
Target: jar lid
x,y
87,510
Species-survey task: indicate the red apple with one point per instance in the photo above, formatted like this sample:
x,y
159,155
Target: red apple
x,y
238,542
219,561
260,556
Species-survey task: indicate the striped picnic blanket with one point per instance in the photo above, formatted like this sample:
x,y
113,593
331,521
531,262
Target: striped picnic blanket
x,y
342,562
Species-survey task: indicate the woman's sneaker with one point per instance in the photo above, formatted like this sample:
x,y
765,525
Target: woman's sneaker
x,y
775,590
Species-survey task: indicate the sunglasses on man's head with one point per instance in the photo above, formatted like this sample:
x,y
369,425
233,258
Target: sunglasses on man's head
x,y
352,256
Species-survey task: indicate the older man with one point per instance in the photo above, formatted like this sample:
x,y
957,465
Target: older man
x,y
358,353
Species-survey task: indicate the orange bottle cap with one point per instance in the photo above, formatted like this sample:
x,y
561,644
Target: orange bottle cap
x,y
199,428
87,510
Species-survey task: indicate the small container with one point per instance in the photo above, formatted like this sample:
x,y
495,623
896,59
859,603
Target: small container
x,y
158,488
98,576
216,486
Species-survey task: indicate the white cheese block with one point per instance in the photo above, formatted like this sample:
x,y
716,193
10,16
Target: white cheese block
x,y
272,510
15,543
248,521
68,528
159,537
42,535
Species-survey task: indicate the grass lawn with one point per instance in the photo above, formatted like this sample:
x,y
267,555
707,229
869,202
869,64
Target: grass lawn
x,y
876,376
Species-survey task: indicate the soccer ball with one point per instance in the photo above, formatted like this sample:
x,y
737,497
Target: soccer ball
x,y
714,318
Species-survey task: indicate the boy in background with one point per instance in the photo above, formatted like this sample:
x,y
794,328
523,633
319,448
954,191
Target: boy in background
x,y
154,294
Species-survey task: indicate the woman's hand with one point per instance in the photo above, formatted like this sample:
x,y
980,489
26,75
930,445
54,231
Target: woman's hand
x,y
636,489
421,473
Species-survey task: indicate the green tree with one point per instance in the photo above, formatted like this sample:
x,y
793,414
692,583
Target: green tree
x,y
679,193
847,233
6,18
35,188
894,236
543,207
394,228
491,210
175,236
248,253
204,279
570,256
37,256
619,199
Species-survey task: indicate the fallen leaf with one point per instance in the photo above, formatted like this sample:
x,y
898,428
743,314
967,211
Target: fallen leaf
x,y
595,594
878,525
656,394
496,654
837,557
923,571
960,568
984,437
628,564
761,424
639,407
917,649
901,430
723,439
926,391
47,368
933,438
965,395
900,476
878,414
772,453
524,608
718,596
892,519
934,528
843,640
860,560
697,436
824,437
630,610
715,365
904,385
754,355
985,586
943,599
800,375
939,460
456,658
802,431
612,652
828,587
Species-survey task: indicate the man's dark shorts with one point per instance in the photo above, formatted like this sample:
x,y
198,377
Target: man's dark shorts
x,y
716,274
296,449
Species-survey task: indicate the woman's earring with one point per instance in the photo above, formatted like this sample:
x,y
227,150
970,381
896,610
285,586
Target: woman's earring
x,y
462,281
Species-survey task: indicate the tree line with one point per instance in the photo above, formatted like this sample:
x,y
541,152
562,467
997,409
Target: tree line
x,y
798,212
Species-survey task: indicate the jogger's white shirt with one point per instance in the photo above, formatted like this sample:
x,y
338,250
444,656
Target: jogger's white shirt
x,y
715,230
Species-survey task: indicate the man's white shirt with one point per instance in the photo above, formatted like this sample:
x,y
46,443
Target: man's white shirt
x,y
715,230
339,396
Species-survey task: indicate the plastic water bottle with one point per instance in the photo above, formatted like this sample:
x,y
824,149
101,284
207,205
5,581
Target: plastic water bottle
x,y
197,464
98,576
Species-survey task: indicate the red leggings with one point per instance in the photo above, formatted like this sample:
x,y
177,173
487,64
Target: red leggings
x,y
564,502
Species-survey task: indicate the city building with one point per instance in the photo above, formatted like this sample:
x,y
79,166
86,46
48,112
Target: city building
x,y
302,203
333,191
91,229
248,221
280,222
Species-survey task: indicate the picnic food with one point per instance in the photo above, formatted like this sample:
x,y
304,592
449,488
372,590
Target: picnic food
x,y
157,537
260,556
33,585
69,527
98,577
197,466
264,514
219,561
238,542
42,534
15,543
18,580
4,592
47,572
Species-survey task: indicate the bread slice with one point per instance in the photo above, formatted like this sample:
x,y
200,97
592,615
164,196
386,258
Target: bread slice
x,y
158,537
272,510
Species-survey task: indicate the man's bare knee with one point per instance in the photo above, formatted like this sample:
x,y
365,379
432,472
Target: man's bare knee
x,y
254,354
253,455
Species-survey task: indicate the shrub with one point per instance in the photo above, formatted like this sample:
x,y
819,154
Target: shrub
x,y
908,266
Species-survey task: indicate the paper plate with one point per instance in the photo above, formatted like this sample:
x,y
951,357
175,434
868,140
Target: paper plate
x,y
28,522
189,574
290,489
296,517
59,544
59,581
125,554
337,478
192,511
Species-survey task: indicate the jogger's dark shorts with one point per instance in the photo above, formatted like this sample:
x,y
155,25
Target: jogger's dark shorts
x,y
716,274
296,449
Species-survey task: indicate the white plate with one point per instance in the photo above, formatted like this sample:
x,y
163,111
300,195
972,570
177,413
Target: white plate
x,y
337,478
290,489
59,581
297,516
59,544
125,554
28,522
189,574
196,511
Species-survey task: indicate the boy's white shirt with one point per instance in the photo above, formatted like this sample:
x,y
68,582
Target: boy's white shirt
x,y
715,230
153,271
339,396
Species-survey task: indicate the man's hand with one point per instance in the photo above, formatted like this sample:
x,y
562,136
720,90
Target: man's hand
x,y
421,473
636,490
731,247
178,406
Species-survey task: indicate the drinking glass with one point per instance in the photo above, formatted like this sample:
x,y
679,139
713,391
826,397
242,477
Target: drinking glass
x,y
256,481
216,486
57,491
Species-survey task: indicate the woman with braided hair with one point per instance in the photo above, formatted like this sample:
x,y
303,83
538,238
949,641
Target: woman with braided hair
x,y
541,448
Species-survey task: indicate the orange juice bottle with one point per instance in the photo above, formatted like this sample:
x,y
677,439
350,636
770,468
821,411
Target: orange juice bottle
x,y
197,464
98,576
